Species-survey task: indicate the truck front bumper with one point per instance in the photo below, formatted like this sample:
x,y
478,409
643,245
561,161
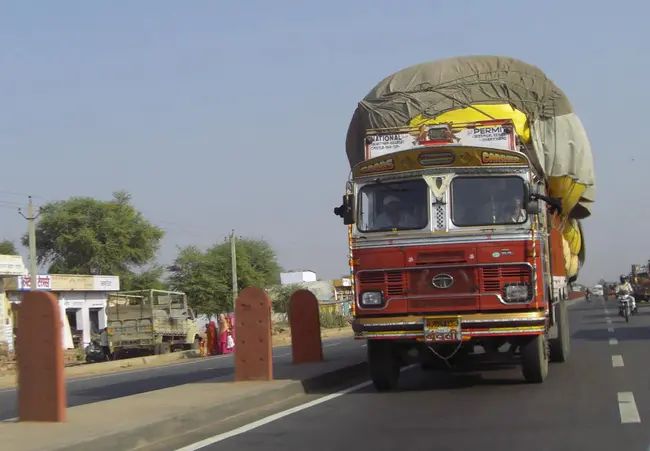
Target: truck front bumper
x,y
471,326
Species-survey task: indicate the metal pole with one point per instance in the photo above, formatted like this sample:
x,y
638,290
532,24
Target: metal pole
x,y
31,234
233,258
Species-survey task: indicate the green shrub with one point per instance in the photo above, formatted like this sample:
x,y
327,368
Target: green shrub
x,y
331,320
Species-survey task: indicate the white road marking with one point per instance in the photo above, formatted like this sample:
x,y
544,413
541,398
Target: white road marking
x,y
610,330
627,408
609,321
276,416
613,341
606,312
617,361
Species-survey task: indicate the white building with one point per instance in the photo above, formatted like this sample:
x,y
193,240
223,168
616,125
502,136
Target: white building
x,y
10,266
298,276
82,300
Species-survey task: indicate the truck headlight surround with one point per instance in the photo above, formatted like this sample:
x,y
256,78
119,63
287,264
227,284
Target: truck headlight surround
x,y
372,299
516,292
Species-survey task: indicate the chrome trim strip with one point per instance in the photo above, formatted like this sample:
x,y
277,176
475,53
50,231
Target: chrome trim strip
x,y
395,240
466,334
481,170
462,321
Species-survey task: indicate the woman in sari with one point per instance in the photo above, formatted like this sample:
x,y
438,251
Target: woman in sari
x,y
223,334
211,338
231,330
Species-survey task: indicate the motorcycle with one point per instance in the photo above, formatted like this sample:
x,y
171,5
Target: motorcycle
x,y
625,306
588,297
95,353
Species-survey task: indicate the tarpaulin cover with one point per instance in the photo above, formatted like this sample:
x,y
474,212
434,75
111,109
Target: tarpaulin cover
x,y
558,144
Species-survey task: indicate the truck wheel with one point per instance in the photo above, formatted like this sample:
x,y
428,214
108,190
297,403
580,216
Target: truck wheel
x,y
560,347
197,344
165,348
534,359
384,363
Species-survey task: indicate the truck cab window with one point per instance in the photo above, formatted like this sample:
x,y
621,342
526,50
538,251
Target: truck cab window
x,y
394,205
481,201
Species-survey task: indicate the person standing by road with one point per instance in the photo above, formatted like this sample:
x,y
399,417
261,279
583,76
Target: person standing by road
x,y
105,344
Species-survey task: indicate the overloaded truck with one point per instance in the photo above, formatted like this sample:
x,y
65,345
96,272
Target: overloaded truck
x,y
151,322
469,180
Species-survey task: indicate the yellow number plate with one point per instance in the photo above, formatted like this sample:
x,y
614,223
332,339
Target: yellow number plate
x,y
442,329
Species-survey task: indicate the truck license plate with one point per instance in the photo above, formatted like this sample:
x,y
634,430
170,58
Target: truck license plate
x,y
442,329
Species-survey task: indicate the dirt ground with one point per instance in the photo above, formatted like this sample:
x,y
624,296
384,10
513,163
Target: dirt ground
x,y
8,360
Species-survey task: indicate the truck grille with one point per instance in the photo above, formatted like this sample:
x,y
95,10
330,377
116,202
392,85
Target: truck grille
x,y
391,282
493,277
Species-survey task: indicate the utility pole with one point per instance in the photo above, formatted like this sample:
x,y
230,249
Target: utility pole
x,y
31,233
233,258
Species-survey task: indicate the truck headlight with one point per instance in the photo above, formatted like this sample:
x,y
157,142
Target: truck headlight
x,y
372,298
516,292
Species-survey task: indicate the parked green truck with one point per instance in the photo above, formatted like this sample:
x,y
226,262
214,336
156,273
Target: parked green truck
x,y
150,322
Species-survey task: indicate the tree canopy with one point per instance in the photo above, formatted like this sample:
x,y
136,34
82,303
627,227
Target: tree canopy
x,y
83,235
206,277
7,247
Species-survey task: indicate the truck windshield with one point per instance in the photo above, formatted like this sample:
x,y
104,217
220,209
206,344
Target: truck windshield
x,y
399,205
480,201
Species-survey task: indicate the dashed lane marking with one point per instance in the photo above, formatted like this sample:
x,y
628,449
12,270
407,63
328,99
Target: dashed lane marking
x,y
617,361
627,408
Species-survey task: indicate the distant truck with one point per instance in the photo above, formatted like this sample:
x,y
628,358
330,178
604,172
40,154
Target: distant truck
x,y
150,322
641,282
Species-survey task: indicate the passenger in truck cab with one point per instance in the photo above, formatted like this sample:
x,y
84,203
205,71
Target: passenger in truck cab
x,y
395,215
515,213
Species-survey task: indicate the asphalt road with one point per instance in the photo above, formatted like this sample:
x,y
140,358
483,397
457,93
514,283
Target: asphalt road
x,y
102,387
595,401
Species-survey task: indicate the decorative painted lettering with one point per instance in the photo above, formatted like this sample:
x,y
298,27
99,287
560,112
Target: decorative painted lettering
x,y
380,166
499,158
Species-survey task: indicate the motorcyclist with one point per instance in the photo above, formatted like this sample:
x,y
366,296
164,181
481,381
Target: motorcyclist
x,y
625,288
587,294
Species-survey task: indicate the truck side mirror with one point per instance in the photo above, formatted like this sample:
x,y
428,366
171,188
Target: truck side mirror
x,y
346,210
530,203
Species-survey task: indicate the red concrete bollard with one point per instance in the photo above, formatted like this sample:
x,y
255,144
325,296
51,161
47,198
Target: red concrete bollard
x,y
39,347
253,356
304,318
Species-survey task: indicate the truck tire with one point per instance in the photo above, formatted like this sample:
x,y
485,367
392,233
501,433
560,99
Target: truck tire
x,y
165,348
560,347
534,359
196,345
384,363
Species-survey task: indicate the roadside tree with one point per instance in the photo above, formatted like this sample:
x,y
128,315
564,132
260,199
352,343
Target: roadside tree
x,y
206,276
7,247
83,235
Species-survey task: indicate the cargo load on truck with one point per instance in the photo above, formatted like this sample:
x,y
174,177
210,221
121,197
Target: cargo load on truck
x,y
479,88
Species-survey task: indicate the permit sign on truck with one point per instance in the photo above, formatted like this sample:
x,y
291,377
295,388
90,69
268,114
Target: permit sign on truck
x,y
489,134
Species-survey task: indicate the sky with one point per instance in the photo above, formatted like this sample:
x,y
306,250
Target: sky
x,y
221,115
